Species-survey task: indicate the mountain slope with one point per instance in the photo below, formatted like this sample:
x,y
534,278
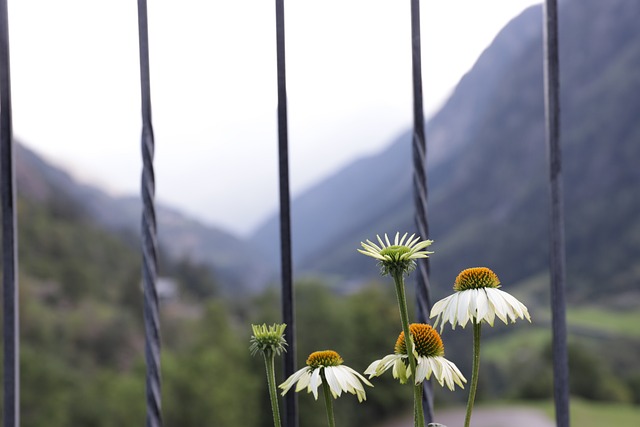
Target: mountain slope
x,y
358,194
179,236
488,190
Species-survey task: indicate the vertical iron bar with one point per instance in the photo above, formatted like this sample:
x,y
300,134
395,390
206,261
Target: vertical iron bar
x,y
11,338
149,233
420,189
557,245
288,317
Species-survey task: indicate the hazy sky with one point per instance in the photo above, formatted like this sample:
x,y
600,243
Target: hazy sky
x,y
76,93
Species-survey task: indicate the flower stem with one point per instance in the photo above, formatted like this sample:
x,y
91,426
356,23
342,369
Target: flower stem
x,y
474,372
398,279
417,404
327,400
271,381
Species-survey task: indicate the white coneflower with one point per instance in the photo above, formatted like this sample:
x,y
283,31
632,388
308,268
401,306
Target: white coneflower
x,y
397,256
477,298
326,368
398,260
429,352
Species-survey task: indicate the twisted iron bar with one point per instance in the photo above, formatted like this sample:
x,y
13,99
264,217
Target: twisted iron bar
x,y
556,231
291,399
420,189
149,234
11,338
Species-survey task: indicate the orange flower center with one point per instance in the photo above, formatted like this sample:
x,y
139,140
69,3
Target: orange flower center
x,y
475,278
324,358
426,339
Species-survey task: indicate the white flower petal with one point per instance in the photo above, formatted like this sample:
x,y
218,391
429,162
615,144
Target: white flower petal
x,y
404,236
482,305
498,303
332,380
358,376
369,247
295,377
450,313
423,370
303,382
473,303
438,369
373,368
400,370
315,382
422,245
457,375
491,312
373,245
438,307
519,309
463,307
375,255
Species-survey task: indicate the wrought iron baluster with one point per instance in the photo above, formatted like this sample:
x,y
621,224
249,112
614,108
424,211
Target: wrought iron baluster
x,y
11,338
557,246
149,234
420,189
288,317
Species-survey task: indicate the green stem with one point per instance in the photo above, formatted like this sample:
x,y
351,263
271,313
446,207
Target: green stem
x,y
417,404
398,279
327,400
271,381
474,372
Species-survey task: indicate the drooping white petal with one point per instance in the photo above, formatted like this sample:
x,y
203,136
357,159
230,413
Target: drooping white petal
x,y
303,382
353,378
498,303
332,381
457,375
347,380
450,313
482,304
437,368
491,312
463,307
473,301
519,309
359,376
422,370
400,370
373,368
439,373
438,307
380,366
315,382
295,377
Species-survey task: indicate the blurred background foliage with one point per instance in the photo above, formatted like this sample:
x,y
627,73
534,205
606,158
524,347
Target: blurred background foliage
x,y
82,345
82,338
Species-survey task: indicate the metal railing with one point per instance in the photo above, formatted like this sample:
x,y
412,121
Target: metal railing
x,y
11,378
